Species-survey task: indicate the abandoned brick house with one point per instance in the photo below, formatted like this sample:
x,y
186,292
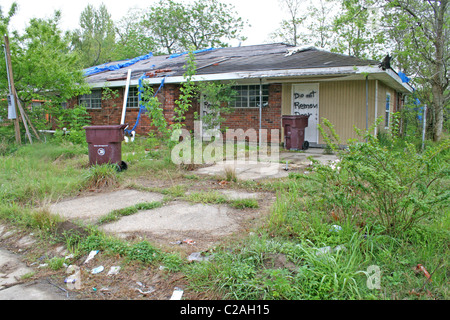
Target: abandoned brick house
x,y
345,90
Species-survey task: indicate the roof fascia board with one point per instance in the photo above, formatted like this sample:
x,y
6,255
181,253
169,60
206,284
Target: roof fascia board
x,y
289,73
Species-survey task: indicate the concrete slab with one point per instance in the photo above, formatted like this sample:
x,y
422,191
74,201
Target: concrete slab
x,y
178,219
11,269
239,194
93,207
246,170
34,291
301,158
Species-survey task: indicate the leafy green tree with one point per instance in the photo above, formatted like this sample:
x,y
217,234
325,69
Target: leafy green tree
x,y
95,40
4,20
162,22
355,30
420,31
203,24
289,30
133,38
43,66
208,23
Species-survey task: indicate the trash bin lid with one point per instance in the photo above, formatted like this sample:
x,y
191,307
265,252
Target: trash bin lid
x,y
107,127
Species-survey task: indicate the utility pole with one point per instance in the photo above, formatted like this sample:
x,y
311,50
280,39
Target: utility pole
x,y
16,97
12,89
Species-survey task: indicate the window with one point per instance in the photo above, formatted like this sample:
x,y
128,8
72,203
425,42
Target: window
x,y
133,98
91,101
248,96
388,110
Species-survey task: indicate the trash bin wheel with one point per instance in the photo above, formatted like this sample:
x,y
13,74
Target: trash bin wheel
x,y
305,145
121,167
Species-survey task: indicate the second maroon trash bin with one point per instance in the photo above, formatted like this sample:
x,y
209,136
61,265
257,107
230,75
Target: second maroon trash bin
x,y
294,132
105,145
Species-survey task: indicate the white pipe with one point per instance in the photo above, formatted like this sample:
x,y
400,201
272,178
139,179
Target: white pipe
x,y
376,106
125,98
424,119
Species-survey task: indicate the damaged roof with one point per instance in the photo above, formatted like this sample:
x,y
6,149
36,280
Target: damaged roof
x,y
256,61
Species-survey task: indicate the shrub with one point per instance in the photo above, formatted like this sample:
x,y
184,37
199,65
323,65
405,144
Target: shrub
x,y
391,188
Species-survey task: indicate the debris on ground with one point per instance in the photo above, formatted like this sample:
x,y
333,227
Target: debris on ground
x,y
145,290
98,270
91,256
177,294
74,280
198,256
114,270
187,241
419,268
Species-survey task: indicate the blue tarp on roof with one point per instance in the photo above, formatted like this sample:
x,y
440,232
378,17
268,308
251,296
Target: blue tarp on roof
x,y
176,55
124,64
403,76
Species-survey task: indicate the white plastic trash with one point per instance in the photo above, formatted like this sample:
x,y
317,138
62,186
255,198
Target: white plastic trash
x,y
177,294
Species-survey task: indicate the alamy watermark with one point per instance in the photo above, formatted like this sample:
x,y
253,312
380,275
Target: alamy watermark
x,y
373,277
234,146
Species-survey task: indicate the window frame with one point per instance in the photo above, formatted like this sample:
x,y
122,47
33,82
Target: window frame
x,y
249,95
133,99
91,101
387,115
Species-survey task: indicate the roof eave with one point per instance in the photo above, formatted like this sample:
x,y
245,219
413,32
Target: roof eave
x,y
388,76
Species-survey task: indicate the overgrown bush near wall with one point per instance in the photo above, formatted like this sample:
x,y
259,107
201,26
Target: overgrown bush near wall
x,y
73,120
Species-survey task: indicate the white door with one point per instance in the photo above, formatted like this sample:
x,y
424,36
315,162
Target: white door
x,y
205,110
305,101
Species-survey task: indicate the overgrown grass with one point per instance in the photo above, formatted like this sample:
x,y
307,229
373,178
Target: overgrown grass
x,y
284,259
40,173
309,249
101,176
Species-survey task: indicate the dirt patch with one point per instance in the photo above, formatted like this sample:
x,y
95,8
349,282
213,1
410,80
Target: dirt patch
x,y
68,229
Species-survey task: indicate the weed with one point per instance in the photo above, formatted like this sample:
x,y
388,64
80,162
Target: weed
x,y
175,191
206,197
117,214
230,173
244,203
101,176
56,263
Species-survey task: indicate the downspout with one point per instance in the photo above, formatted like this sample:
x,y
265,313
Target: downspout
x,y
376,106
260,110
367,102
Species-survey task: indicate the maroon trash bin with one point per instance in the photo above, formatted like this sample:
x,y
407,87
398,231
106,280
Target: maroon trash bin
x,y
294,132
105,144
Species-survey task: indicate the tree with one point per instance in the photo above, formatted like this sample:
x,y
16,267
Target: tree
x,y
95,40
208,23
162,23
4,20
202,24
356,32
319,23
43,66
133,37
289,29
421,31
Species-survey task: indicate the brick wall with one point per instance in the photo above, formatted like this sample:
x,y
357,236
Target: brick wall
x,y
248,118
241,118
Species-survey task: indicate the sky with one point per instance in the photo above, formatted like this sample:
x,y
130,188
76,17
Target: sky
x,y
264,16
